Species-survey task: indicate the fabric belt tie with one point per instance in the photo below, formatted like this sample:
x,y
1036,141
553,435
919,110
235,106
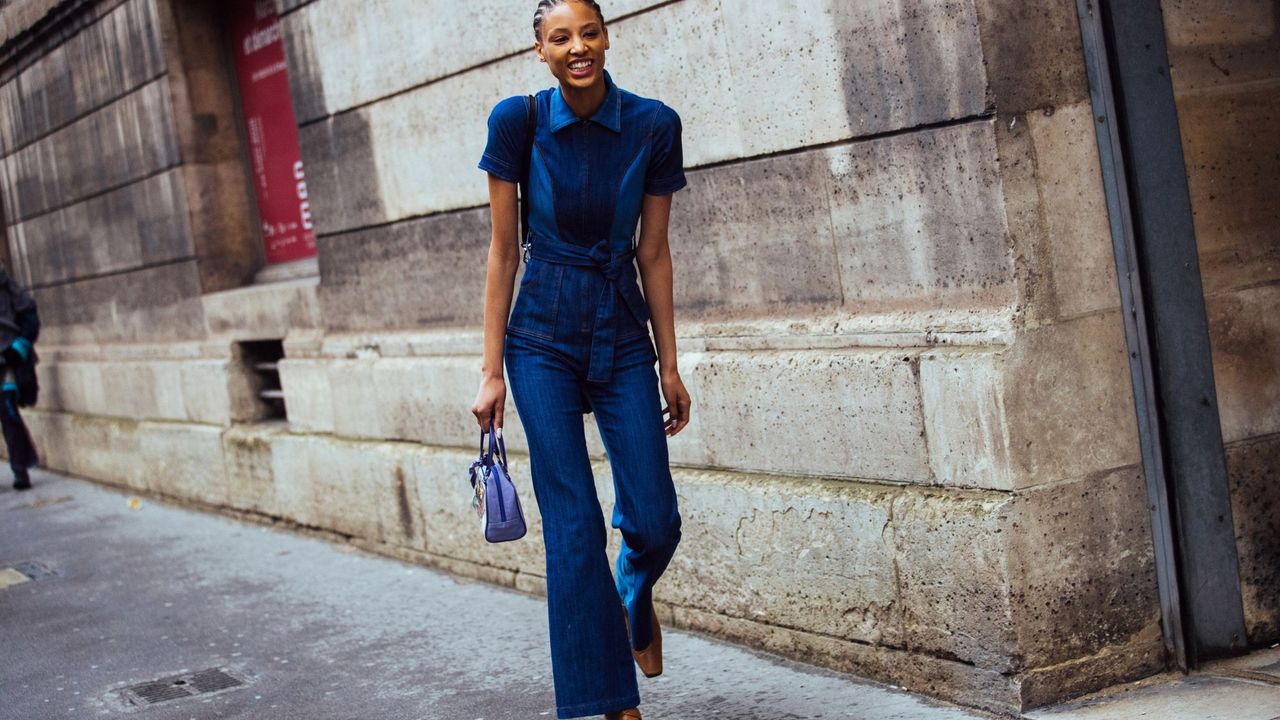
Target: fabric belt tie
x,y
619,271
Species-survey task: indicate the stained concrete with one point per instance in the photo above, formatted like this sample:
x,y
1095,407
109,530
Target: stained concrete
x,y
321,631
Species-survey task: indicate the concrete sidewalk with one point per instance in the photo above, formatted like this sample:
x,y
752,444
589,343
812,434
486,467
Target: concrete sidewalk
x,y
316,631
128,591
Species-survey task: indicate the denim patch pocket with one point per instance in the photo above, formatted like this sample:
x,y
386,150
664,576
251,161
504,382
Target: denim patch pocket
x,y
539,300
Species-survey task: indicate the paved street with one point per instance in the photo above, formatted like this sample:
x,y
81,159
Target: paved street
x,y
316,631
128,590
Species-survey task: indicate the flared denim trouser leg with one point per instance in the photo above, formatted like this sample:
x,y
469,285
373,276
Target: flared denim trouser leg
x,y
590,653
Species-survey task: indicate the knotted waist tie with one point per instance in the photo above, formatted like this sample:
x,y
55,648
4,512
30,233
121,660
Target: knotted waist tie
x,y
619,273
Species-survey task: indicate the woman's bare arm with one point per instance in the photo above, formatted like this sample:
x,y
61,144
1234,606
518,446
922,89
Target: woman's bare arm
x,y
653,254
504,260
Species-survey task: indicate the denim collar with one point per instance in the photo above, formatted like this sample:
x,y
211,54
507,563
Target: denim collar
x,y
609,115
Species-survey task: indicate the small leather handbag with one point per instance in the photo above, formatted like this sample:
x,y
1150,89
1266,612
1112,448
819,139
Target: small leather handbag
x,y
493,494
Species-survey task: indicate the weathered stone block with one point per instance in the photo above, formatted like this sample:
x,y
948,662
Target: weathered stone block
x,y
1069,400
951,565
451,528
140,224
183,460
965,422
73,387
1081,257
205,391
103,61
414,274
1253,467
830,569
1082,571
1056,405
291,493
120,143
307,396
247,456
343,178
918,221
399,158
108,449
1231,179
355,407
402,46
868,68
359,489
756,238
427,399
1032,55
152,304
846,414
1244,332
685,45
129,389
912,671
263,312
167,379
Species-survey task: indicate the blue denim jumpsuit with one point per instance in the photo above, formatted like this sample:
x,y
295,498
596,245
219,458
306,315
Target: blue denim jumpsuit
x,y
577,341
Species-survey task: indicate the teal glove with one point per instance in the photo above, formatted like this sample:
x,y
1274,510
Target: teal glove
x,y
22,346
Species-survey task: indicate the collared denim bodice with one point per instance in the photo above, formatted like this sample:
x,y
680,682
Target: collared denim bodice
x,y
586,181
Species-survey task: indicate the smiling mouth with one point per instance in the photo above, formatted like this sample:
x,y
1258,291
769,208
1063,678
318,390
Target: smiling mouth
x,y
581,64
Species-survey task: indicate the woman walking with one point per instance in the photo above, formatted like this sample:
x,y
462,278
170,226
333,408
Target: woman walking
x,y
596,159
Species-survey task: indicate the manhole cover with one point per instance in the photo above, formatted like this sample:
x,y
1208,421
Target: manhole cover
x,y
182,686
24,572
35,570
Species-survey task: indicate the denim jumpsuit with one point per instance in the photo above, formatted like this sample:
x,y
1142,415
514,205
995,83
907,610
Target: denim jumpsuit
x,y
577,341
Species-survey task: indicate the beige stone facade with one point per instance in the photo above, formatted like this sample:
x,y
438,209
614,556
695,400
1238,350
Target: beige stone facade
x,y
914,454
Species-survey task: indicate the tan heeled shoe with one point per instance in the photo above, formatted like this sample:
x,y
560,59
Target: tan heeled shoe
x,y
633,713
649,659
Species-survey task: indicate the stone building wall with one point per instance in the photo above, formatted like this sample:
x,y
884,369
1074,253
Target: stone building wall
x,y
914,453
1225,59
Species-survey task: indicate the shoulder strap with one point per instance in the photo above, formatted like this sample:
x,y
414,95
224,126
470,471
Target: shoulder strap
x,y
531,110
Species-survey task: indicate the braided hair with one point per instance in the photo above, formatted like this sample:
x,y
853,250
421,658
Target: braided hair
x,y
545,6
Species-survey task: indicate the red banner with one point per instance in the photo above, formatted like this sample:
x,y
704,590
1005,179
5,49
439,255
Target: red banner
x,y
272,131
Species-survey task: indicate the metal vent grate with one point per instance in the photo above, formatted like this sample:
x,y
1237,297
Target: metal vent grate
x,y
214,680
262,359
182,686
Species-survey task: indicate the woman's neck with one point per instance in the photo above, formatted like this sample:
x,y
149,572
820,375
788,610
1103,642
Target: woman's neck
x,y
584,102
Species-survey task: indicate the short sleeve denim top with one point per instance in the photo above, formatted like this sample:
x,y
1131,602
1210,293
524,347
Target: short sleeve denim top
x,y
588,175
587,178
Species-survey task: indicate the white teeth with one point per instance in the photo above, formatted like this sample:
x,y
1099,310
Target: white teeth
x,y
580,64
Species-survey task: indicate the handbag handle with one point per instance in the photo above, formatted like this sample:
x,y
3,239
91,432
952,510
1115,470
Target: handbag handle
x,y
494,436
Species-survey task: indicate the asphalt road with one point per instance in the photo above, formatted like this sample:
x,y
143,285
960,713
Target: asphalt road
x,y
316,631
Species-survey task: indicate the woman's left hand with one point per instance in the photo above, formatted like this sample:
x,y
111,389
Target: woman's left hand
x,y
678,402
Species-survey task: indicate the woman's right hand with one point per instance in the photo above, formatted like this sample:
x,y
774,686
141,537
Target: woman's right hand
x,y
490,401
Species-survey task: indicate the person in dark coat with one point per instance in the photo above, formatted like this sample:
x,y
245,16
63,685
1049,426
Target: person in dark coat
x,y
19,329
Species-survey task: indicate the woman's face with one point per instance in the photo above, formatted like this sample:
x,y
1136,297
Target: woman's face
x,y
573,44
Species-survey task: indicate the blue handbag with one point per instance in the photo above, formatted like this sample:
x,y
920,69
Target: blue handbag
x,y
493,494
